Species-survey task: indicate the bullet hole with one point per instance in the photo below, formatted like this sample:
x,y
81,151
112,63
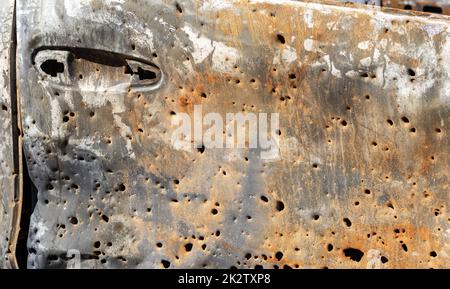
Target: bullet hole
x,y
413,129
347,222
178,7
292,76
204,247
315,165
214,211
411,72
367,97
281,39
404,247
165,263
133,47
367,191
364,74
176,182
105,218
52,67
80,76
73,220
316,217
278,255
264,199
344,122
252,80
438,130
217,233
92,114
330,247
203,95
433,254
384,260
405,119
248,256
279,206
278,132
97,244
201,149
159,245
374,143
121,187
50,187
356,203
188,247
354,254
390,122
4,107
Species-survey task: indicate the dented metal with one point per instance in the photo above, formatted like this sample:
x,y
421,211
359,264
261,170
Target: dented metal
x,y
359,178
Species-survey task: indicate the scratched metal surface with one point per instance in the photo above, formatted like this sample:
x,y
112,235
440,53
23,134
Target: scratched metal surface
x,y
361,179
8,176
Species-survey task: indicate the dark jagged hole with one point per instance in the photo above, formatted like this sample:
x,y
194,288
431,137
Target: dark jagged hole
x,y
188,247
52,67
432,9
292,76
411,72
367,191
433,254
279,206
390,122
177,5
165,263
405,119
281,39
384,259
330,247
4,107
214,211
105,218
97,244
407,7
159,245
279,255
316,217
264,199
201,149
354,254
142,73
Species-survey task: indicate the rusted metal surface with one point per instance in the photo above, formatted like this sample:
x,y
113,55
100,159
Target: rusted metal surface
x,y
9,177
360,179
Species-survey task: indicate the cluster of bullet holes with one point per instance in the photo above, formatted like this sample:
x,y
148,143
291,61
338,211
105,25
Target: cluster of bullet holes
x,y
68,115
